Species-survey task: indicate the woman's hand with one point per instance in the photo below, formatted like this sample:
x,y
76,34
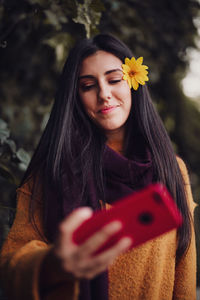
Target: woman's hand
x,y
78,259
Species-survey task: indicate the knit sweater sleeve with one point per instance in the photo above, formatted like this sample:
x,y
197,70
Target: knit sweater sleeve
x,y
22,254
185,275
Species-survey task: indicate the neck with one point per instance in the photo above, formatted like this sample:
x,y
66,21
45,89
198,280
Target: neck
x,y
115,137
115,140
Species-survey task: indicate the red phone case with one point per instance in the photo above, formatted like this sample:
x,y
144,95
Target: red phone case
x,y
145,215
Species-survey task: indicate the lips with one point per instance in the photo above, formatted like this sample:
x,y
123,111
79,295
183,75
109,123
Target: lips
x,y
108,109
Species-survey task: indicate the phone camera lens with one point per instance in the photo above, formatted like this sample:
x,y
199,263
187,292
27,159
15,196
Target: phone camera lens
x,y
146,218
157,198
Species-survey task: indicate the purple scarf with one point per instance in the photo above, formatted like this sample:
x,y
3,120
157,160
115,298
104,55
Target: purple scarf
x,y
123,176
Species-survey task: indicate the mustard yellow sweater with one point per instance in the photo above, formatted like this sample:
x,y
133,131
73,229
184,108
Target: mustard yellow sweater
x,y
148,272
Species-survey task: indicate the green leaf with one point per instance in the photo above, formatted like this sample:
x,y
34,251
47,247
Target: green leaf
x,y
23,156
52,18
61,42
89,15
3,124
4,134
56,15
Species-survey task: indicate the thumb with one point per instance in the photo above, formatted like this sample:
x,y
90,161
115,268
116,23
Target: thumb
x,y
75,219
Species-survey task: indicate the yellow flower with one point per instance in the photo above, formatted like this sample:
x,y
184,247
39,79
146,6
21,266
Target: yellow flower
x,y
134,72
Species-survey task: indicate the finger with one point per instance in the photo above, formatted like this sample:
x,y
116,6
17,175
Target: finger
x,y
74,220
99,238
109,255
106,257
67,227
100,263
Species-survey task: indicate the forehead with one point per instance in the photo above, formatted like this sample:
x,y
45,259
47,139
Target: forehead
x,y
99,63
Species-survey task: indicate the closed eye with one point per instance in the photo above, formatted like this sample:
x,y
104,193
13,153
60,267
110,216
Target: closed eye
x,y
87,87
114,81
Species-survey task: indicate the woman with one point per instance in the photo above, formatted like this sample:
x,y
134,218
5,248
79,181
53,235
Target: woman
x,y
103,141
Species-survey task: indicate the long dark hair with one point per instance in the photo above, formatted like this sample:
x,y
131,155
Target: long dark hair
x,y
71,139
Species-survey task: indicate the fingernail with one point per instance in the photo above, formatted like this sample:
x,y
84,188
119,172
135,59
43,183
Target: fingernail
x,y
127,241
116,225
87,211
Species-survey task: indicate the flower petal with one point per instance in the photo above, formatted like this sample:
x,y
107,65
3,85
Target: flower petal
x,y
129,82
140,60
145,78
139,79
128,79
127,61
135,84
125,68
145,72
132,59
133,64
125,77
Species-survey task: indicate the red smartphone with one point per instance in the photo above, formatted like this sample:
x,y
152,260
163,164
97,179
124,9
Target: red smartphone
x,y
144,215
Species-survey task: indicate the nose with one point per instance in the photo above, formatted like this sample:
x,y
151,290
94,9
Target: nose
x,y
104,92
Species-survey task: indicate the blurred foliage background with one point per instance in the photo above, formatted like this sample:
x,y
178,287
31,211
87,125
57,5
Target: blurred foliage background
x,y
35,37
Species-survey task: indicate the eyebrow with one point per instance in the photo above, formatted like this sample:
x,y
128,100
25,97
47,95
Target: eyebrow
x,y
106,73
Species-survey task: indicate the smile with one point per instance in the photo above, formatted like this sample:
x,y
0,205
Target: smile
x,y
109,109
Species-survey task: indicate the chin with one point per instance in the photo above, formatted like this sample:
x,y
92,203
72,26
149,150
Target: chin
x,y
112,127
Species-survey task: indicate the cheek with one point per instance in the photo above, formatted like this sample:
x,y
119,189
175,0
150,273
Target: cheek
x,y
124,87
85,100
125,95
88,104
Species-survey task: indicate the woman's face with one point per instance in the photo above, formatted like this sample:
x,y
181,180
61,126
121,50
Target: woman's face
x,y
106,97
